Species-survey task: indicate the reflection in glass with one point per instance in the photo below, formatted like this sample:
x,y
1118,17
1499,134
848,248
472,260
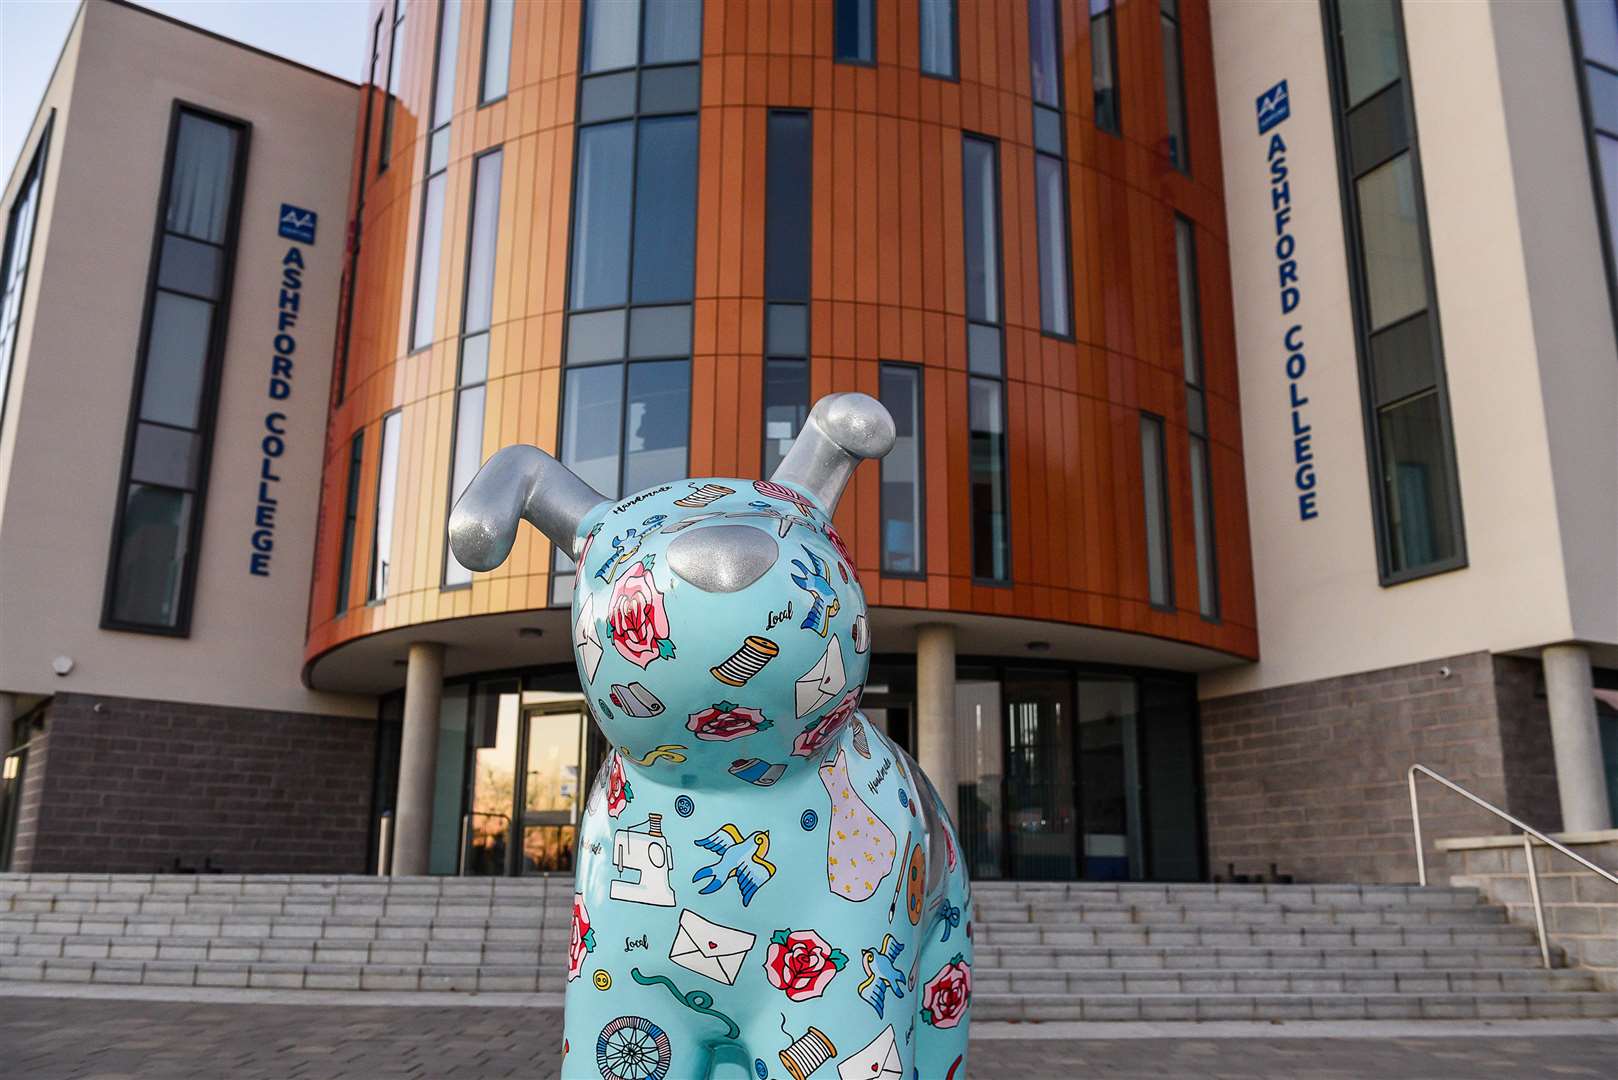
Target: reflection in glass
x,y
901,472
590,425
1185,260
1043,46
1395,277
1040,782
788,174
1370,47
480,256
979,765
666,210
468,457
1202,525
657,423
1421,527
176,359
1104,65
786,407
151,555
497,50
990,542
611,34
494,782
1050,197
431,241
351,515
601,215
1174,91
981,225
200,183
855,29
673,30
387,487
1160,583
1109,780
938,38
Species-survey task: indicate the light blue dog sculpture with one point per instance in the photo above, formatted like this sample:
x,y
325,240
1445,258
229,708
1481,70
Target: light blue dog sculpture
x,y
765,882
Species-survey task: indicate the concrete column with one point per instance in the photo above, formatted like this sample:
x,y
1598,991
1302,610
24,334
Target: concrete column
x,y
8,718
1580,777
418,758
935,708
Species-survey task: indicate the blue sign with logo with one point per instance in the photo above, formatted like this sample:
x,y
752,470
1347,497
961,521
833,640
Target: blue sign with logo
x,y
297,224
1274,106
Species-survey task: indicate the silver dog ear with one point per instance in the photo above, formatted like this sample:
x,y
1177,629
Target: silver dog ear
x,y
842,430
518,483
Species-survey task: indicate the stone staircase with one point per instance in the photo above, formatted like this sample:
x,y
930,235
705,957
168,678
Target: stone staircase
x,y
1077,951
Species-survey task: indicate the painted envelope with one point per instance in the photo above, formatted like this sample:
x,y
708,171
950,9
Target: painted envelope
x,y
823,682
878,1061
586,641
710,949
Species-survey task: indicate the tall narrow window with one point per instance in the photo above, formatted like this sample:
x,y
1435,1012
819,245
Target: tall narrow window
x,y
496,50
627,391
1154,483
1595,30
788,215
15,257
1196,412
1410,446
430,236
159,517
980,219
390,107
902,551
1174,84
1104,65
476,314
938,28
387,490
854,23
1050,167
351,519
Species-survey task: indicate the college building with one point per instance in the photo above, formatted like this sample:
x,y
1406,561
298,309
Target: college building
x,y
1253,367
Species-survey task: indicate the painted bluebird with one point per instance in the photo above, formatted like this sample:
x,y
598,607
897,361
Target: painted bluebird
x,y
824,605
743,859
881,972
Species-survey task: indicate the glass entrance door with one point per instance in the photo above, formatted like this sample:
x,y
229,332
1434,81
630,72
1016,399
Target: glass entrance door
x,y
1042,836
553,752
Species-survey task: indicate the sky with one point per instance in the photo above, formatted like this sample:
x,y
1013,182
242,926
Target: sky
x,y
324,34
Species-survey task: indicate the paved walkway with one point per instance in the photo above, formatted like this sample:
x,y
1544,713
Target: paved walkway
x,y
103,1038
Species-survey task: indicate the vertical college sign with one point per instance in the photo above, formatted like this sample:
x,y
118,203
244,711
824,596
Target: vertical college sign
x,y
1275,106
298,225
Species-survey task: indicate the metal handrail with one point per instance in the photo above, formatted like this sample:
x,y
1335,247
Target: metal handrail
x,y
1529,835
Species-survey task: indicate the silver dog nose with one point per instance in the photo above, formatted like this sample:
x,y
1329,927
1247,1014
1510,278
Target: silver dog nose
x,y
722,558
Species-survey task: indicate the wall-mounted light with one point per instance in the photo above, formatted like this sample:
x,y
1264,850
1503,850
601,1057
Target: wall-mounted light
x,y
530,631
62,665
1039,646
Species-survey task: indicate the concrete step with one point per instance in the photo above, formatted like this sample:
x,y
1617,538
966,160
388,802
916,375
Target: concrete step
x,y
1252,915
1175,958
216,905
277,950
345,927
1223,895
1202,937
480,978
1452,1006
1273,981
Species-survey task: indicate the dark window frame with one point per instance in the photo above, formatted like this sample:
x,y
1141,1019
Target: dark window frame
x,y
483,61
999,376
390,105
351,521
34,177
1061,160
1197,426
1110,16
1182,162
1360,301
213,375
1604,213
1164,500
955,42
461,387
875,44
371,597
920,573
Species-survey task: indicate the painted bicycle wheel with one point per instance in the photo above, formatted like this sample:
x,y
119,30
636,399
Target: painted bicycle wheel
x,y
633,1048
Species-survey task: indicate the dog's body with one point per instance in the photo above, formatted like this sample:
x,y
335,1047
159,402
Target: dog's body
x,y
763,877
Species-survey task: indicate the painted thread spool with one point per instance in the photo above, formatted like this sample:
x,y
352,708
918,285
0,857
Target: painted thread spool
x,y
704,495
746,661
804,1055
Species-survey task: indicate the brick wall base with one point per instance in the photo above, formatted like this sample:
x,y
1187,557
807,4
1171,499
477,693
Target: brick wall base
x,y
119,785
1311,778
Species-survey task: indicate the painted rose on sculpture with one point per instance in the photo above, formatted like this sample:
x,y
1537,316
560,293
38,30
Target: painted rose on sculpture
x,y
801,964
584,938
945,997
640,626
817,733
618,790
725,720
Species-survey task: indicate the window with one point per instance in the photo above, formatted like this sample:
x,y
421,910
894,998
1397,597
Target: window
x,y
387,488
902,514
157,525
384,154
351,514
1104,65
1174,84
476,314
496,50
1196,412
15,256
1416,496
1595,33
938,29
1159,570
788,216
626,409
430,236
855,25
1050,168
980,220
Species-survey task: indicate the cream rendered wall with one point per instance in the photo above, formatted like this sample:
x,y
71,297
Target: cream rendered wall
x,y
245,646
1321,610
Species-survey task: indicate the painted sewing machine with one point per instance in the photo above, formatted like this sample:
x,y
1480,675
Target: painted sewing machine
x,y
764,880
